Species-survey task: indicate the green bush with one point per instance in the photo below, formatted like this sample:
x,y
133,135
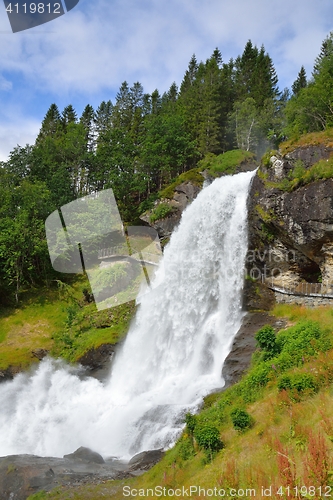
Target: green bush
x,y
266,340
160,212
208,438
190,421
186,449
299,381
302,341
241,420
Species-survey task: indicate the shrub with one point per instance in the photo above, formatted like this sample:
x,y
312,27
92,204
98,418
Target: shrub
x,y
208,438
266,340
186,449
190,421
298,381
241,419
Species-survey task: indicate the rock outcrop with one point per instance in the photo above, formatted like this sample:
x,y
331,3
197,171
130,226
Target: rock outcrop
x,y
184,193
24,475
291,230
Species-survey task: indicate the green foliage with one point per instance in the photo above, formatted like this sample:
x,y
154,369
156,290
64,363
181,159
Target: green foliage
x,y
90,328
310,108
41,495
266,340
192,176
186,449
225,163
241,420
208,438
191,421
298,381
160,212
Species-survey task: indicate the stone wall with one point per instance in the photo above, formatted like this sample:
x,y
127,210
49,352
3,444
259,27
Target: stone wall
x,y
302,300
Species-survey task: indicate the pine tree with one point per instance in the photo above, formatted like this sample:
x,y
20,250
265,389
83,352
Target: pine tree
x,y
103,118
300,82
87,120
68,116
190,76
50,124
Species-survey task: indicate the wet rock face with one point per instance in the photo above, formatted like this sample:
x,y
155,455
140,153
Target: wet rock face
x,y
291,233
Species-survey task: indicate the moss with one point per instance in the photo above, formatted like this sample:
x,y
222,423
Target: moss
x,y
160,212
300,176
312,139
265,215
266,159
226,163
192,175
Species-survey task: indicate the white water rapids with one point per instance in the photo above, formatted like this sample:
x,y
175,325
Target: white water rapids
x,y
172,357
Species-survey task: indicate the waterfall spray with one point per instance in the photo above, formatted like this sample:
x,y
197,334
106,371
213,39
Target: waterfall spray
x,y
172,356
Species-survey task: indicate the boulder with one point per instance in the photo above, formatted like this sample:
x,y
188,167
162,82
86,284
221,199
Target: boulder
x,y
83,454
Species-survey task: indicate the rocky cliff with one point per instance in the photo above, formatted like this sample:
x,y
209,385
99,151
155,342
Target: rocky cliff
x,y
291,219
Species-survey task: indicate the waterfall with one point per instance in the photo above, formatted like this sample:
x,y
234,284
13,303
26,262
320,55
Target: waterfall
x,y
172,356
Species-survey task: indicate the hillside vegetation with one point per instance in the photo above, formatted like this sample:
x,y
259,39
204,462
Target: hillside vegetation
x,y
272,429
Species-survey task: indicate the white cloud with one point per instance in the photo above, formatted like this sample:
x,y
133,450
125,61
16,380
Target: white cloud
x,y
103,43
93,48
18,131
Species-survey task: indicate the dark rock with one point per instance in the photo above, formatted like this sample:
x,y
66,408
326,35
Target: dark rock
x,y
9,373
257,296
145,460
86,455
24,475
292,232
39,353
97,358
244,345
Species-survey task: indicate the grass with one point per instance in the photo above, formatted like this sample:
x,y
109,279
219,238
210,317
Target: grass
x,y
30,327
225,163
312,139
289,444
59,321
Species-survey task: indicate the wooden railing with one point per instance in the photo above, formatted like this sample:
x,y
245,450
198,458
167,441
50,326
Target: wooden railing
x,y
303,289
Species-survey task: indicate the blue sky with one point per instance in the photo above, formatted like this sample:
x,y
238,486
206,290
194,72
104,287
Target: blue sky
x,y
84,56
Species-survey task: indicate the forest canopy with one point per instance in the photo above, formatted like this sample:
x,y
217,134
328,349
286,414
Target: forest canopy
x,y
141,142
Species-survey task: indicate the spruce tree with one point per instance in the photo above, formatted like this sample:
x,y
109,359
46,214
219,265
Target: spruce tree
x,y
50,123
68,116
300,82
103,118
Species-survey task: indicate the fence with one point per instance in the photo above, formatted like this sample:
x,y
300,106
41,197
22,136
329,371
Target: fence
x,y
303,289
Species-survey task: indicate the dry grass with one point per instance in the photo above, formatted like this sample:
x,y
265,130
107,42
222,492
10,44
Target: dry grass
x,y
312,139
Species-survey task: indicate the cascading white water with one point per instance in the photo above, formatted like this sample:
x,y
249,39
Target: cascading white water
x,y
172,356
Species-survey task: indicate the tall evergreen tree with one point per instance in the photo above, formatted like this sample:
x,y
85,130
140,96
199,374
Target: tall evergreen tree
x,y
87,120
300,82
103,118
50,123
68,116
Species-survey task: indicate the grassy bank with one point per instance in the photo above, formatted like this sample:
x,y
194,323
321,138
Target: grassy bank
x,y
58,320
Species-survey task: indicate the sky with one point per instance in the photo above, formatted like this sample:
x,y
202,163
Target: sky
x,y
83,56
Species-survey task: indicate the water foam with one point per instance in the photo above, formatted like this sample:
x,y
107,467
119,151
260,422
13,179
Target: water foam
x,y
173,354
